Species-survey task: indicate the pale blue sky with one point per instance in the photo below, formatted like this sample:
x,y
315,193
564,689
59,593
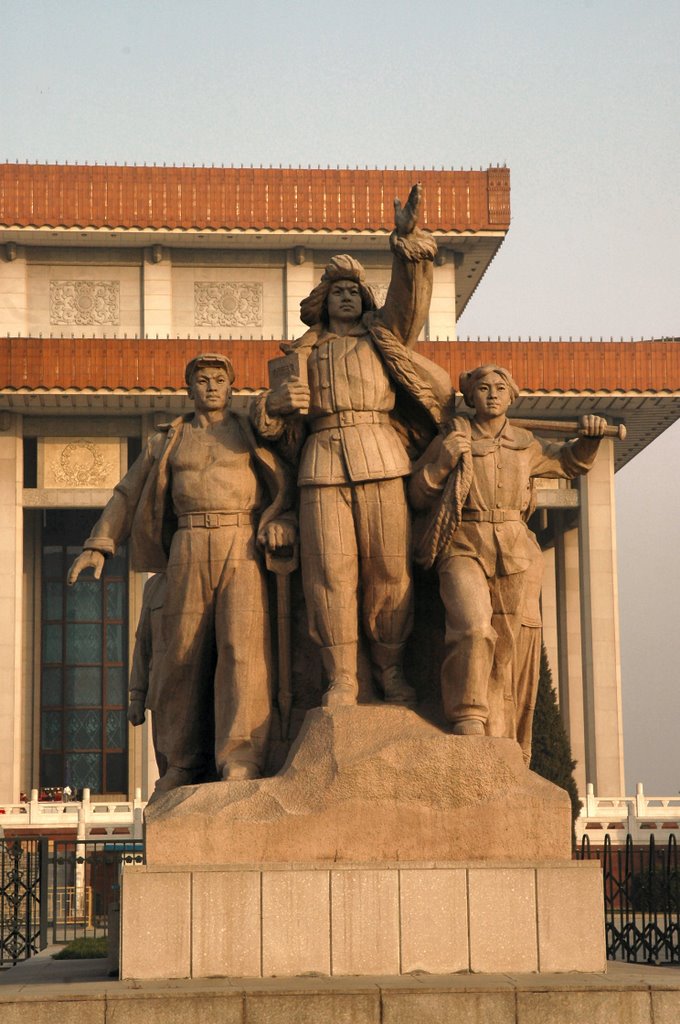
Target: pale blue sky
x,y
580,99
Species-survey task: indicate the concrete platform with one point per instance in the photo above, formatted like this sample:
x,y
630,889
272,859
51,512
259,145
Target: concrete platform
x,y
79,992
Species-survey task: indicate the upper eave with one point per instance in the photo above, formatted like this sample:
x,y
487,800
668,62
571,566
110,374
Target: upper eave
x,y
247,198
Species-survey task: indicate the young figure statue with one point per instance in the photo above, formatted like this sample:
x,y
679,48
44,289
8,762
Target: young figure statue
x,y
475,485
201,502
354,520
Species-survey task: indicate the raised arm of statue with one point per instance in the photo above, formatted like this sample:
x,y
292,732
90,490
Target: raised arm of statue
x,y
408,296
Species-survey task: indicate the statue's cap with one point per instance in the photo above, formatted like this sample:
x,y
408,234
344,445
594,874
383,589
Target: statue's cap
x,y
209,359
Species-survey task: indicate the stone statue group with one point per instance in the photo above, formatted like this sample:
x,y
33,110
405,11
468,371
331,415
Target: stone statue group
x,y
356,455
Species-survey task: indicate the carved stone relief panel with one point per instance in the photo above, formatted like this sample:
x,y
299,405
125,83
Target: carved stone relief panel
x,y
79,462
85,303
227,304
380,292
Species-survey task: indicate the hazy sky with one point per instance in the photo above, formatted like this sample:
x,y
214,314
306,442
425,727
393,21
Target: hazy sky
x,y
580,98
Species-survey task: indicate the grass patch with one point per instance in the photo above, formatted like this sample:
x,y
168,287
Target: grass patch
x,y
84,949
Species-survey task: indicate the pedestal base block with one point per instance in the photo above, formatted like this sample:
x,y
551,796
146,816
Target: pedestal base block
x,y
357,919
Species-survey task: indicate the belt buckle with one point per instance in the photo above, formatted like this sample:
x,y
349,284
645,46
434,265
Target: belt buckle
x,y
212,520
346,418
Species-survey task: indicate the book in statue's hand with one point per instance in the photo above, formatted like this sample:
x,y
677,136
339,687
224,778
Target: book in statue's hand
x,y
286,368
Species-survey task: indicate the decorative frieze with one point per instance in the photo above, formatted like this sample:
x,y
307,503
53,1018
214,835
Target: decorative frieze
x,y
85,303
380,292
227,304
73,462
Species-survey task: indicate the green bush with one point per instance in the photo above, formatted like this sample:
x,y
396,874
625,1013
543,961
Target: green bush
x,y
84,949
550,750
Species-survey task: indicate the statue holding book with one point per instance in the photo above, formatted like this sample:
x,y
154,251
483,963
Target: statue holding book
x,y
355,401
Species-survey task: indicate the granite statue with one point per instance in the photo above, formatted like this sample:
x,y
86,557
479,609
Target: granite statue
x,y
473,487
365,394
202,503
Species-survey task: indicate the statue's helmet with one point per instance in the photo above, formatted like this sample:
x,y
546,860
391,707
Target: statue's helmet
x,y
209,359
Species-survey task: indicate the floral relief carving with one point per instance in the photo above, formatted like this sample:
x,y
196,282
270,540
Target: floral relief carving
x,y
81,464
380,292
85,303
227,304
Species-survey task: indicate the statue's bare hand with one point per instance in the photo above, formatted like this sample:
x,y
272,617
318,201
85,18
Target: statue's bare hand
x,y
293,396
592,426
279,534
87,560
406,217
136,712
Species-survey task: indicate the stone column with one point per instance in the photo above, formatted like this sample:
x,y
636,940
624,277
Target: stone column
x,y
600,627
549,615
13,290
11,580
299,279
570,671
441,323
156,297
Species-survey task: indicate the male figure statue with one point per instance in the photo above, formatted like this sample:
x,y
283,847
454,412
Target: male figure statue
x,y
354,520
201,501
476,483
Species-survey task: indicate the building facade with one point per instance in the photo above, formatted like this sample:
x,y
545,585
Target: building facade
x,y
111,279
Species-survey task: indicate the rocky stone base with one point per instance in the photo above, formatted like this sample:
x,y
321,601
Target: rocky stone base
x,y
369,784
341,920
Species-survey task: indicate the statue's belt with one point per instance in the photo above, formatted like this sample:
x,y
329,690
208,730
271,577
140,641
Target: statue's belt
x,y
347,418
211,520
493,515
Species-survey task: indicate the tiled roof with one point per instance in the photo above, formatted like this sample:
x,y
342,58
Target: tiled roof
x,y
209,198
156,364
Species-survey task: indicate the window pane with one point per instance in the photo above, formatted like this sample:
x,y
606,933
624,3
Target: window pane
x,y
116,773
52,773
51,686
114,643
84,770
116,729
53,563
84,601
52,597
50,733
117,565
83,730
52,643
116,686
114,599
83,643
83,685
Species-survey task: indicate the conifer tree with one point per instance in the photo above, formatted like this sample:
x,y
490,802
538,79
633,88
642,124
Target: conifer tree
x,y
550,749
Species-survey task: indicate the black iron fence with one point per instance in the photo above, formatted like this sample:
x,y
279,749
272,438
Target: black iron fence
x,y
641,899
58,890
23,898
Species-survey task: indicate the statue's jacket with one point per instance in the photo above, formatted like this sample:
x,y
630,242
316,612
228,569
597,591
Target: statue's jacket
x,y
141,507
374,401
495,496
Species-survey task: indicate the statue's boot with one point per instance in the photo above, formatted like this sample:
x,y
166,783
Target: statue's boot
x,y
340,667
469,727
389,671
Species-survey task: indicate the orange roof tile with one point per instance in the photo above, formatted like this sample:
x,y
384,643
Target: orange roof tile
x,y
208,198
157,364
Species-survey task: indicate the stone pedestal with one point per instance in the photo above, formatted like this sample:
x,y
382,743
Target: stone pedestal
x,y
336,920
385,846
